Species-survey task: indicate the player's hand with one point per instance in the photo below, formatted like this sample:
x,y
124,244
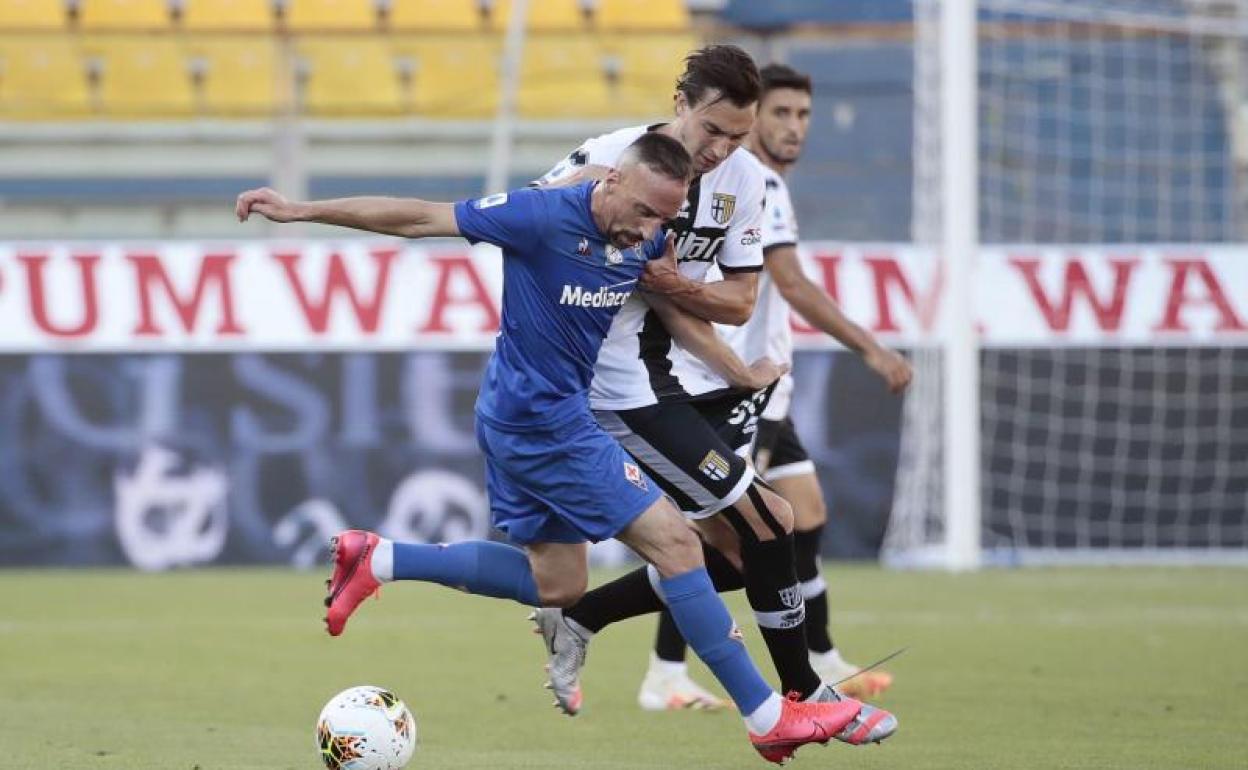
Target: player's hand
x,y
763,372
268,203
891,366
662,275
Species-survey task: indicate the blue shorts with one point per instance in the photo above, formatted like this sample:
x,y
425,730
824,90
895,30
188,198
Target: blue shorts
x,y
566,484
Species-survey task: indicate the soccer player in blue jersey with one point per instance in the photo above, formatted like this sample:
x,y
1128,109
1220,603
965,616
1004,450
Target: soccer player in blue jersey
x,y
556,480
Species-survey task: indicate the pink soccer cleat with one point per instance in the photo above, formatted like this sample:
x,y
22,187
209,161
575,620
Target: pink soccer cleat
x,y
352,581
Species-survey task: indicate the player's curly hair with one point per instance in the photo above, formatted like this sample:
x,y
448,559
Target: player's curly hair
x,y
726,70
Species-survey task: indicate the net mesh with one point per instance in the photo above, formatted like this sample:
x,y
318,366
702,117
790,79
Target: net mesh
x,y
1117,121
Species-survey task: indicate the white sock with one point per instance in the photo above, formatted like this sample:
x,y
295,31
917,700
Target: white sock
x,y
764,719
830,658
667,667
383,561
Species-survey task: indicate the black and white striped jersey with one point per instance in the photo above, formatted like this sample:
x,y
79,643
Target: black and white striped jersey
x,y
721,224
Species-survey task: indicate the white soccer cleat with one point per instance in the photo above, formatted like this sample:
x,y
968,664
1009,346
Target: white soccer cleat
x,y
854,682
669,688
567,650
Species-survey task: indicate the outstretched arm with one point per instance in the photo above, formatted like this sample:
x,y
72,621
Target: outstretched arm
x,y
822,312
404,217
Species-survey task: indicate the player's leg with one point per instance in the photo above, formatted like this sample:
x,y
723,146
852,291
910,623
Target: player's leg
x,y
554,571
702,472
792,475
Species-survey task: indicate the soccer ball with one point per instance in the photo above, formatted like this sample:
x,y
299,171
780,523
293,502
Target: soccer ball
x,y
365,728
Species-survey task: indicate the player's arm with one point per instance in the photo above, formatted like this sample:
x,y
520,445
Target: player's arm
x,y
822,312
404,217
730,301
699,338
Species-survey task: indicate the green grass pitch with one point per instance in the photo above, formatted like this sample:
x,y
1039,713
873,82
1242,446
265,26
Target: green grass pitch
x,y
1089,668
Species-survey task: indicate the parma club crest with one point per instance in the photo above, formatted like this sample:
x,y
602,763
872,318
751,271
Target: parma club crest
x,y
722,206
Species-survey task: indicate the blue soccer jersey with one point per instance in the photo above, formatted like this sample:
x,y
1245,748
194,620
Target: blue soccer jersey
x,y
562,284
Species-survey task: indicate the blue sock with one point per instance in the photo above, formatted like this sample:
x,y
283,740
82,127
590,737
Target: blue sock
x,y
705,623
479,567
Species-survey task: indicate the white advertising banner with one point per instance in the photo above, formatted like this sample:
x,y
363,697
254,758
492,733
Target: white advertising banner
x,y
369,294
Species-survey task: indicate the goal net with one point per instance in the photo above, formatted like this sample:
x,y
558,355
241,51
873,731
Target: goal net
x,y
1115,129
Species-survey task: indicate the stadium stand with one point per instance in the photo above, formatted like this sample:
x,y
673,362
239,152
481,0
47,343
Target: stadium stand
x,y
640,15
545,16
343,80
138,76
451,78
123,14
563,77
32,14
42,76
234,76
330,15
228,15
433,16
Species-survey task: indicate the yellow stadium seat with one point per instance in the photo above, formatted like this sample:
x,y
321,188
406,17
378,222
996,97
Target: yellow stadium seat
x,y
450,78
641,14
140,75
304,15
42,77
563,77
32,14
123,14
648,67
441,15
229,15
237,75
544,15
348,76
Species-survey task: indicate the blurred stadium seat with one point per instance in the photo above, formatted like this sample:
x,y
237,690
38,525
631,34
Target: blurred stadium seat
x,y
563,76
123,14
231,15
433,15
302,15
32,14
641,14
237,75
140,76
645,77
451,77
42,77
543,15
341,77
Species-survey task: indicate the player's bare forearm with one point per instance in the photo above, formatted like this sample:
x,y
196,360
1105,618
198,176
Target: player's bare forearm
x,y
730,301
822,312
404,217
698,336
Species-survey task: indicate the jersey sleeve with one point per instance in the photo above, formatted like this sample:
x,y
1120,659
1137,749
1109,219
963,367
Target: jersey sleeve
x,y
512,220
593,152
742,252
779,222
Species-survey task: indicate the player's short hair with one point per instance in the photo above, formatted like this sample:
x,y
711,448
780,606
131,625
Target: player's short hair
x,y
725,69
776,76
661,154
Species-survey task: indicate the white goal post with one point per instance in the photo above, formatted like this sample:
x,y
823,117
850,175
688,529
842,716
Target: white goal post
x,y
1111,127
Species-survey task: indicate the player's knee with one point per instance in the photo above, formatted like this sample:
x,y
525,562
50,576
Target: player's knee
x,y
681,552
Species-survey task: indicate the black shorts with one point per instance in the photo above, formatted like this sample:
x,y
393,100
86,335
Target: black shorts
x,y
779,453
694,450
